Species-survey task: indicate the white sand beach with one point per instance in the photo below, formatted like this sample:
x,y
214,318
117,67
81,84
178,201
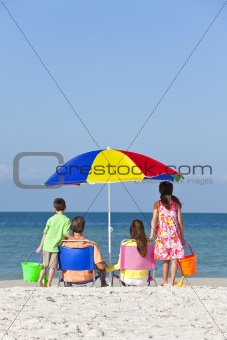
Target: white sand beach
x,y
198,310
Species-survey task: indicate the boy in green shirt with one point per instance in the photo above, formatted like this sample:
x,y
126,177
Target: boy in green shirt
x,y
57,228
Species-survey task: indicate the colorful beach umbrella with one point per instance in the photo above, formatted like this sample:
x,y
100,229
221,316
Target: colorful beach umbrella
x,y
110,166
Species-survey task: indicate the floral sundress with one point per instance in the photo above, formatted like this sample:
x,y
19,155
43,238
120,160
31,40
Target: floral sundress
x,y
168,244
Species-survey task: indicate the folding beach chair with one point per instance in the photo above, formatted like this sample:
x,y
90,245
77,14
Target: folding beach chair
x,y
130,259
76,259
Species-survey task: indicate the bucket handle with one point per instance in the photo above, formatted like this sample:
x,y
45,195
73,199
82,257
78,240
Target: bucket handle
x,y
34,251
190,248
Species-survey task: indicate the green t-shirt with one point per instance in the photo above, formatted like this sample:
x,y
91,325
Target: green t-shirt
x,y
57,226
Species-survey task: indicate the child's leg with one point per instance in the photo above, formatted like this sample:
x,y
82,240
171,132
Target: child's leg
x,y
53,264
165,272
173,271
50,276
41,276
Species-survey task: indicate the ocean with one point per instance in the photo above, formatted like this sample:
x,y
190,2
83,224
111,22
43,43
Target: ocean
x,y
21,233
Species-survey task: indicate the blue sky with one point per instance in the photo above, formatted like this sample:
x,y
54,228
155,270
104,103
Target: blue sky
x,y
113,60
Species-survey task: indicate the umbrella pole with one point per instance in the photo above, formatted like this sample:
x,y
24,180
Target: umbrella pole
x,y
109,232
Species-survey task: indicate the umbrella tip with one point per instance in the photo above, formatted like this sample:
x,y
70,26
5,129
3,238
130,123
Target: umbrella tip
x,y
108,148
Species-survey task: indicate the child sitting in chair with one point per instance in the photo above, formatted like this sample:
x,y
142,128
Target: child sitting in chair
x,y
138,239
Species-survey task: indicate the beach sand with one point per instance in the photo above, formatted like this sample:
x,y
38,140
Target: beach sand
x,y
197,311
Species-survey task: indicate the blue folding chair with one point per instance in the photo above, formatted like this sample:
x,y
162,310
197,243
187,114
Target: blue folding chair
x,y
77,259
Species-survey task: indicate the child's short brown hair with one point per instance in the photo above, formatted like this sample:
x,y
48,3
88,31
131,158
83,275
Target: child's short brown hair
x,y
59,204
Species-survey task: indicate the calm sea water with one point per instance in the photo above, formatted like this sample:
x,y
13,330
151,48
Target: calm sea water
x,y
21,234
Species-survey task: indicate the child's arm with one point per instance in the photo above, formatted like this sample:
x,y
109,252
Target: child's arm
x,y
154,221
41,244
114,267
181,226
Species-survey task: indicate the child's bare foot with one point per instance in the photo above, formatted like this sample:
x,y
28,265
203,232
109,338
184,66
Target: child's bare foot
x,y
165,284
40,284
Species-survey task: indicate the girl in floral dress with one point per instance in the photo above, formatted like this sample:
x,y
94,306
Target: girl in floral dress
x,y
167,224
